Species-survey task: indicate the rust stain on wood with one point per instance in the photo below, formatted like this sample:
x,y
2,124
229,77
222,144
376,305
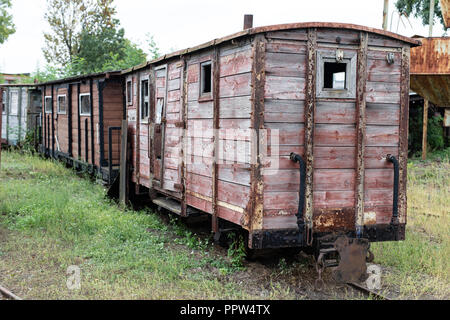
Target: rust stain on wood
x,y
310,106
184,99
256,203
361,80
334,219
403,143
216,114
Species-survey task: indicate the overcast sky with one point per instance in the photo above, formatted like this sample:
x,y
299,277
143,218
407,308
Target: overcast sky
x,y
177,24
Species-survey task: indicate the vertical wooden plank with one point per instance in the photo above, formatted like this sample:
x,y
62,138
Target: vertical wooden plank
x,y
310,106
79,121
361,80
164,125
151,127
426,104
7,115
1,120
257,120
151,132
91,100
44,121
403,144
123,163
184,97
53,123
138,131
19,115
70,124
216,113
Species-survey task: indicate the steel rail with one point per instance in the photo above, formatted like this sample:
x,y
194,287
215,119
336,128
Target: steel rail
x,y
367,291
8,294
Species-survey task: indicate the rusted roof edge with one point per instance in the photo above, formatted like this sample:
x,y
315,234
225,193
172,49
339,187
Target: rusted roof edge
x,y
80,77
12,85
278,27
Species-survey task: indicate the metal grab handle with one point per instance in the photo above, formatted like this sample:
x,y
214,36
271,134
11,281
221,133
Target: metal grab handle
x,y
301,200
394,160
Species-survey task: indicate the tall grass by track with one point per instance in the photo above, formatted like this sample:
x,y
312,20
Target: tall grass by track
x,y
126,254
123,253
420,264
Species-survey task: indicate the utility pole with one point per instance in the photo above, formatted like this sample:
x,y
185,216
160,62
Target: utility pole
x,y
385,14
426,102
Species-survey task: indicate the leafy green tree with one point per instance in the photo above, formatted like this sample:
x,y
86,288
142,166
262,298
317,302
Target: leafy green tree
x,y
49,73
66,19
7,27
100,42
152,48
130,56
420,9
72,22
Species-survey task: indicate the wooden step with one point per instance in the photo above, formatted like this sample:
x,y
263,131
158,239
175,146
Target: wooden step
x,y
175,206
169,204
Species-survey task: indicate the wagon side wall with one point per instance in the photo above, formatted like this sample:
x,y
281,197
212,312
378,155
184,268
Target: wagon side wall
x,y
112,117
218,174
335,129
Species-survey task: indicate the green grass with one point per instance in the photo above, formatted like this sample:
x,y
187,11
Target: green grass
x,y
122,253
420,264
55,219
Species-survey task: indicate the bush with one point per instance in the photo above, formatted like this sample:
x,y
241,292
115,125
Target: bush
x,y
435,134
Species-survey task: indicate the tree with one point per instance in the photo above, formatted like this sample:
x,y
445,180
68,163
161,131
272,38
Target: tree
x,y
7,27
70,21
65,18
153,50
131,56
420,9
97,43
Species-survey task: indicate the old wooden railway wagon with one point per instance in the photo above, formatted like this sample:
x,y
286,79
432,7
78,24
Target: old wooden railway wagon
x,y
79,116
21,112
292,132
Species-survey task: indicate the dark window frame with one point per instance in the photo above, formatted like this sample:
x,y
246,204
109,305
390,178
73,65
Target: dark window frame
x,y
129,92
81,96
59,104
144,99
4,101
202,84
47,111
349,90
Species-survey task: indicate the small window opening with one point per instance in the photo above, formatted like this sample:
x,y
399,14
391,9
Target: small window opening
x,y
206,78
144,100
129,93
335,76
62,104
48,104
159,110
4,102
85,105
14,103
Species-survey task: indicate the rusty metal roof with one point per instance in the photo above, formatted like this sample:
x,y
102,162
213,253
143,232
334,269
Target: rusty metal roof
x,y
445,8
433,57
278,27
105,74
430,70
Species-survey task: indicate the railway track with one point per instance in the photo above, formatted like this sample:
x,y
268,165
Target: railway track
x,y
367,291
8,295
